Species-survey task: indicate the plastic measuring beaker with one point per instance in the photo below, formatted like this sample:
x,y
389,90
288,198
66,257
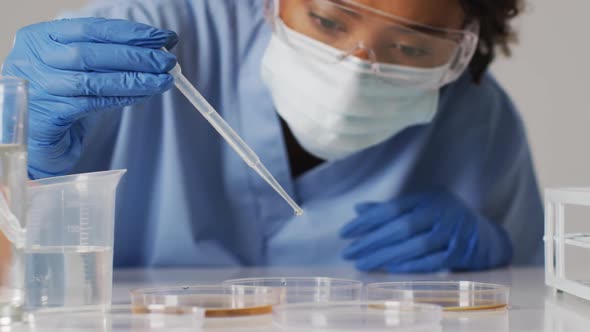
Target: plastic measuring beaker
x,y
68,248
13,177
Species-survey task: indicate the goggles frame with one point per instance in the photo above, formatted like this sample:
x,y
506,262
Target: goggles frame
x,y
466,39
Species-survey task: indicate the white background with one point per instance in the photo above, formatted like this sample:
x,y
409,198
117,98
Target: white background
x,y
547,76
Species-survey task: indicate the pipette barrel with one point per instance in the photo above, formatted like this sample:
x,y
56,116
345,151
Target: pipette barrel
x,y
230,136
227,132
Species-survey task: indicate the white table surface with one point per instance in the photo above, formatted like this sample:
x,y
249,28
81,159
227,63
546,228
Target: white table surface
x,y
533,307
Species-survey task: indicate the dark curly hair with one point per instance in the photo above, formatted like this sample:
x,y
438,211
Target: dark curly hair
x,y
496,32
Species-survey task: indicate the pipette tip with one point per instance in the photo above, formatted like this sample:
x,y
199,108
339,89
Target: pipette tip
x,y
298,212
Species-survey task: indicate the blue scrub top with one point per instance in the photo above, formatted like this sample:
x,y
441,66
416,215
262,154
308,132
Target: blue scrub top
x,y
188,199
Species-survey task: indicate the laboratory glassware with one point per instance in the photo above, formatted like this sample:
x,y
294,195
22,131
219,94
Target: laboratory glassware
x,y
230,136
117,318
13,177
451,295
218,301
307,289
567,240
357,316
68,247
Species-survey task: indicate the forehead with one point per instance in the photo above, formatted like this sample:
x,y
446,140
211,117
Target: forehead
x,y
438,13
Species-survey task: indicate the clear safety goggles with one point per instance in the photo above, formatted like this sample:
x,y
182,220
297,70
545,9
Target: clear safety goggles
x,y
382,42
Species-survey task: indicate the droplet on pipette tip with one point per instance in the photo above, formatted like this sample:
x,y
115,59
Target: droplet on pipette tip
x,y
298,212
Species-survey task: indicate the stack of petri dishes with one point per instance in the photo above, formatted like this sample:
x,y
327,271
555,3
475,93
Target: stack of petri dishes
x,y
466,305
295,304
216,301
452,296
322,304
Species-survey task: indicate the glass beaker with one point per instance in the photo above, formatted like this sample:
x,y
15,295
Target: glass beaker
x,y
13,177
68,251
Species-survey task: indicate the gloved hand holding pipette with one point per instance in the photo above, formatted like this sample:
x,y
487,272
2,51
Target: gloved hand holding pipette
x,y
137,70
76,67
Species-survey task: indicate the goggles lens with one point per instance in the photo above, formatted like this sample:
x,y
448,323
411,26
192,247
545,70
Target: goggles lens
x,y
375,36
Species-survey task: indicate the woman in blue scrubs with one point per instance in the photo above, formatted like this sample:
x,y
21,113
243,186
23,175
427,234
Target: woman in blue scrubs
x,y
378,117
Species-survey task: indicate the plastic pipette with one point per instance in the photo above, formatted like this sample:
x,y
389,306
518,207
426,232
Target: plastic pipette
x,y
230,136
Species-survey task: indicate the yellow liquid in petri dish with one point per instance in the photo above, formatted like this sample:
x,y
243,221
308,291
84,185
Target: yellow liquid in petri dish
x,y
209,313
204,301
453,305
254,311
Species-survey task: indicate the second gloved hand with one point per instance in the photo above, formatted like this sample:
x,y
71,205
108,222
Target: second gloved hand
x,y
425,232
80,66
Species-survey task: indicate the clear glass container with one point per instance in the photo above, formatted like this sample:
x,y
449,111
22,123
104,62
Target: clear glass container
x,y
451,295
294,290
567,240
356,316
13,180
117,318
217,301
68,251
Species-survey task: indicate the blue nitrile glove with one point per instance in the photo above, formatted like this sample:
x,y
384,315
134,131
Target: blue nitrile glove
x,y
425,232
80,66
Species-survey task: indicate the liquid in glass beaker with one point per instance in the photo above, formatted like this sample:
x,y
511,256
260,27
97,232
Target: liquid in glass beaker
x,y
13,177
68,250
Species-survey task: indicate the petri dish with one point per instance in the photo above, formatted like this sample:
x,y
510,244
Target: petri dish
x,y
217,301
451,295
116,318
356,315
316,289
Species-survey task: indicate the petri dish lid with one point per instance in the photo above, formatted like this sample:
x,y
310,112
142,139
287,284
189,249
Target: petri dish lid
x,y
356,315
307,289
116,318
451,295
216,300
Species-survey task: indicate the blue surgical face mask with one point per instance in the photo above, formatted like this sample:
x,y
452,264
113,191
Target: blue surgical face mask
x,y
337,109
